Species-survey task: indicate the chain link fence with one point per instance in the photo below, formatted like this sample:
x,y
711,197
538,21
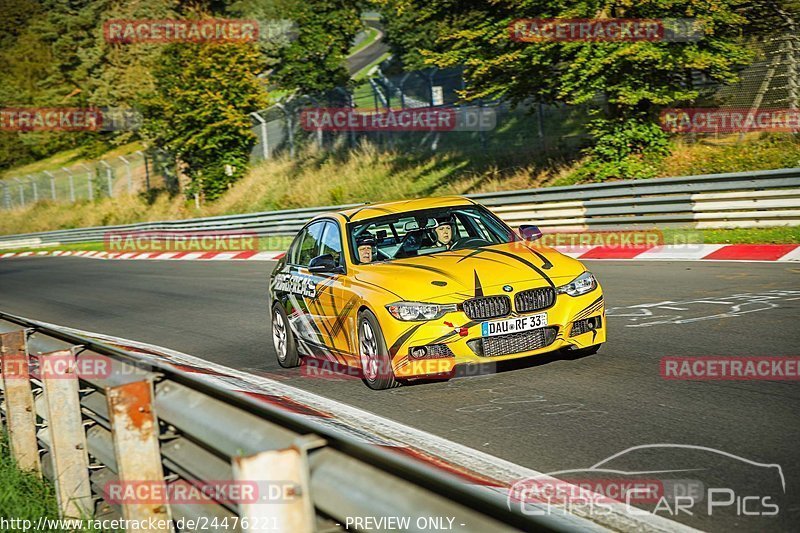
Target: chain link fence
x,y
771,81
106,178
531,127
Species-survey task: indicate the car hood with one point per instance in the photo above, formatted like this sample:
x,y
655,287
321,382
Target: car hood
x,y
461,274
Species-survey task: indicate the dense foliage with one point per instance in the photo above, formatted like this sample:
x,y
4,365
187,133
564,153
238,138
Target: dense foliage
x,y
628,81
195,98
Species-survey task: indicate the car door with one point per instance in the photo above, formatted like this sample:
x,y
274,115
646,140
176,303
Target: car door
x,y
336,301
300,287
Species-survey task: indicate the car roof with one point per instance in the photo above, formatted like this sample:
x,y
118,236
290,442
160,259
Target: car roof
x,y
368,211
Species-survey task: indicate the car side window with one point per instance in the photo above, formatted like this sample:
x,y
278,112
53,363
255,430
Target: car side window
x,y
294,249
310,244
332,242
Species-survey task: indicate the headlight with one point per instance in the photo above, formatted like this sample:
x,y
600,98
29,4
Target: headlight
x,y
580,285
418,310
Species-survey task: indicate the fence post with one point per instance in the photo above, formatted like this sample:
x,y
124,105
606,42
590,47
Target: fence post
x,y
108,178
21,191
89,190
71,184
264,135
52,184
20,413
287,473
59,375
134,432
34,186
128,173
6,194
146,170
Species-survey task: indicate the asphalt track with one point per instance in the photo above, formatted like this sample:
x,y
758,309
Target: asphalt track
x,y
367,55
548,414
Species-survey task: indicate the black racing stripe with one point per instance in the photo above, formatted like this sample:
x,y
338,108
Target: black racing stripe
x,y
471,254
475,256
381,209
478,287
589,309
546,264
429,269
526,263
377,286
341,317
452,333
301,298
402,339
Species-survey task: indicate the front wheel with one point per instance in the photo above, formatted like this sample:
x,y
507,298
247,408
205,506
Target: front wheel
x,y
376,365
282,339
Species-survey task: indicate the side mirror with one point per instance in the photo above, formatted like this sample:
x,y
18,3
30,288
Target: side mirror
x,y
324,263
530,232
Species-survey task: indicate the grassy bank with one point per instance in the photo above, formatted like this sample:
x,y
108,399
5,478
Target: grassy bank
x,y
317,178
23,496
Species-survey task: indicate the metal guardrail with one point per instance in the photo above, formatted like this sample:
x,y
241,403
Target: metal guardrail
x,y
744,199
142,420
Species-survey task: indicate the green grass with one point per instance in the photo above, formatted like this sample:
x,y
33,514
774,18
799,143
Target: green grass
x,y
364,72
275,243
67,158
24,496
778,235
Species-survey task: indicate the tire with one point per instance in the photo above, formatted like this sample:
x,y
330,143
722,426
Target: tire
x,y
282,339
376,365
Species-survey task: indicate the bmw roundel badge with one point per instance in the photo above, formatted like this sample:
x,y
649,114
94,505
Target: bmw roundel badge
x,y
508,288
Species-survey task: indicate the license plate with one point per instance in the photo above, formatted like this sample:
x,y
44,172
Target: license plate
x,y
514,325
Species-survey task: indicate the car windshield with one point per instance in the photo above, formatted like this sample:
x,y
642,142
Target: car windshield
x,y
426,232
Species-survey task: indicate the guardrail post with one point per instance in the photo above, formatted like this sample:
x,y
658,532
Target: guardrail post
x,y
134,431
20,414
58,373
284,476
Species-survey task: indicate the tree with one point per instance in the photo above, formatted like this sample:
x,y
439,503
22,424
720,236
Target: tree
x,y
634,79
200,109
314,61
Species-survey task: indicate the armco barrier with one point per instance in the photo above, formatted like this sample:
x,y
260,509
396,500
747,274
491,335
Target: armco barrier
x,y
745,199
142,420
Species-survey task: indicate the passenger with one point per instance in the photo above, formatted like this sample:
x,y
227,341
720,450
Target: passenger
x,y
365,244
444,233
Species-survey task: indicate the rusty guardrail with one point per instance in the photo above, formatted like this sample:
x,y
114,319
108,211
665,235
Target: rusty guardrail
x,y
97,420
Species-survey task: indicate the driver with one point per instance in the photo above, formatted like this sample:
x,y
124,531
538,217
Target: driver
x,y
364,244
444,232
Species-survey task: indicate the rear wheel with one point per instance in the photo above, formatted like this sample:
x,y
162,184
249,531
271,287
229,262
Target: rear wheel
x,y
376,365
282,338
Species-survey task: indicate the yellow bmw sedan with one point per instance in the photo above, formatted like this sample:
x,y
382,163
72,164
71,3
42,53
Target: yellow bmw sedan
x,y
409,290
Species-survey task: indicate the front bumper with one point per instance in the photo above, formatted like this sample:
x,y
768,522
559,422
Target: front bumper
x,y
458,341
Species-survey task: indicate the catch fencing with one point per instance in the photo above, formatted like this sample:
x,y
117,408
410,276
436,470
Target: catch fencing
x,y
143,422
734,200
105,178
